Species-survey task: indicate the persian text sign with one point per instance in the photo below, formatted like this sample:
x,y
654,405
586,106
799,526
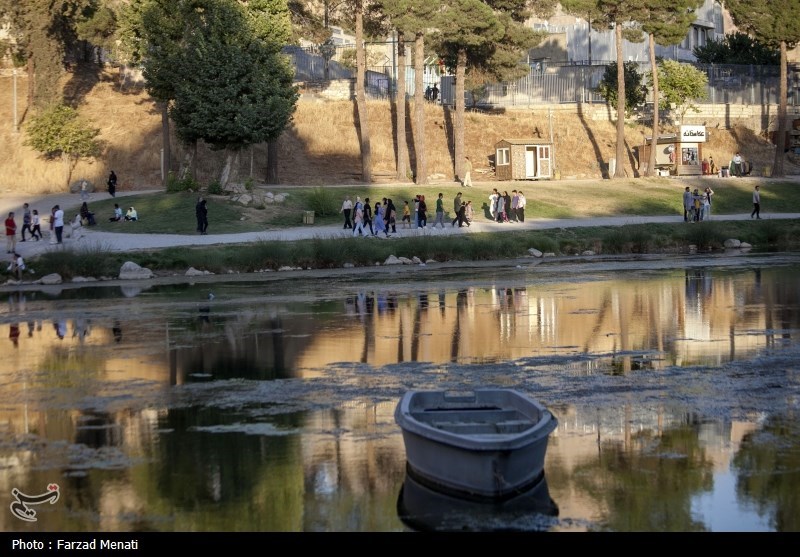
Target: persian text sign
x,y
693,134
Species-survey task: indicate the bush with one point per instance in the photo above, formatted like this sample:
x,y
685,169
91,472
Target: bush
x,y
175,185
322,201
215,188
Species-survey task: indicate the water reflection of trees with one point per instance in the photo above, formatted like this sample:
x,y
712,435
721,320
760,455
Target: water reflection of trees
x,y
768,472
646,481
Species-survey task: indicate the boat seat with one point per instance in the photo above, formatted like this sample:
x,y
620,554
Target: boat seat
x,y
514,426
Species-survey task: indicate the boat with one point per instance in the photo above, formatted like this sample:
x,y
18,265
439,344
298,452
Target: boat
x,y
486,444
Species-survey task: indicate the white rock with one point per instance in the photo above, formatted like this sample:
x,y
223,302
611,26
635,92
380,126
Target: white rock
x,y
286,268
745,245
549,254
84,279
192,272
416,260
534,252
732,243
53,278
132,271
392,260
348,265
405,260
280,198
588,252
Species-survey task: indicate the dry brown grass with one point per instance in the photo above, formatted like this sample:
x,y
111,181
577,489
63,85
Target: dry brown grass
x,y
321,146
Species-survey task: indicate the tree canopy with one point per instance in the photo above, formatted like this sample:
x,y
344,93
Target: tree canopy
x,y
774,23
737,48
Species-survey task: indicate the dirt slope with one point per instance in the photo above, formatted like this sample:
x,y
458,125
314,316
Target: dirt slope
x,y
321,146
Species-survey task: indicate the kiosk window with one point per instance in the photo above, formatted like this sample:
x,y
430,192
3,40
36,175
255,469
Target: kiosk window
x,y
689,155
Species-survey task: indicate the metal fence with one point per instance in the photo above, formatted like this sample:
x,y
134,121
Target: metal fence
x,y
554,84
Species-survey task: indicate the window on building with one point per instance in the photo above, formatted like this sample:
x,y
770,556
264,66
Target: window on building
x,y
719,26
503,157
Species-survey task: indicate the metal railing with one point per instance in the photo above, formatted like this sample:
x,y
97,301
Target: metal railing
x,y
553,84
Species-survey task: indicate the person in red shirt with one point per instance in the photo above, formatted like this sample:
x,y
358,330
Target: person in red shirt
x,y
11,233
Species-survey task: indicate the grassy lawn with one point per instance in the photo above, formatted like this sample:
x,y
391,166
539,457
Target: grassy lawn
x,y
173,213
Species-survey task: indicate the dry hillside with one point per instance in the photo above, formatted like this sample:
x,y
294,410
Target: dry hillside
x,y
321,147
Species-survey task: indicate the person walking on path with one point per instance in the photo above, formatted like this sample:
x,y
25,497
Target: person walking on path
x,y
422,213
756,204
201,213
58,223
456,208
688,203
11,233
112,184
514,205
26,221
521,206
467,172
358,219
36,229
439,211
347,208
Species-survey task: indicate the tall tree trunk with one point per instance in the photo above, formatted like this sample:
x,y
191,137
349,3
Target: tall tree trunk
x,y
780,141
31,80
400,102
361,97
419,108
165,142
461,71
651,163
272,162
619,171
230,171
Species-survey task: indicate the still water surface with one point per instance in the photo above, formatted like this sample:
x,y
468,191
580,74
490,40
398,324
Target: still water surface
x,y
270,407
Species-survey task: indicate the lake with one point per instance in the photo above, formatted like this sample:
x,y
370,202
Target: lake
x,y
266,402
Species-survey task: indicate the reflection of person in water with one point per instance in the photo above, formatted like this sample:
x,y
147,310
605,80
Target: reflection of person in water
x,y
60,327
13,334
116,330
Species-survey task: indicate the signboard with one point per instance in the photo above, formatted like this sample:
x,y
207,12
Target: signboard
x,y
693,134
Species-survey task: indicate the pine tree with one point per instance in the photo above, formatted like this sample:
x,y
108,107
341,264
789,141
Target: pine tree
x,y
216,65
774,23
412,18
666,23
619,16
489,37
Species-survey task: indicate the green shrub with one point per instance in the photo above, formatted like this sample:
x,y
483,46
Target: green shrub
x,y
176,185
215,188
322,201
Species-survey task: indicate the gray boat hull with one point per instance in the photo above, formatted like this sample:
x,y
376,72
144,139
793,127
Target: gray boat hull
x,y
487,443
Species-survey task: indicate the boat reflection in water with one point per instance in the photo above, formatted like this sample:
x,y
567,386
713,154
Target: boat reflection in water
x,y
426,510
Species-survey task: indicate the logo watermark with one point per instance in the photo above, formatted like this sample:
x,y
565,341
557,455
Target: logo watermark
x,y
21,506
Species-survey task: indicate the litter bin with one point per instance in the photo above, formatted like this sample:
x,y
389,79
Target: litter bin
x,y
308,217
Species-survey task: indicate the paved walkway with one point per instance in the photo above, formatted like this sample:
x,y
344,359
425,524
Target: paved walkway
x,y
120,241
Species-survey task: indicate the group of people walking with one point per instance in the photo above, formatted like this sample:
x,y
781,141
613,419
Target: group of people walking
x,y
366,219
507,208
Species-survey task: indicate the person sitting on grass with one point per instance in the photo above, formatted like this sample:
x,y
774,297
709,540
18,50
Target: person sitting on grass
x,y
87,217
131,215
117,214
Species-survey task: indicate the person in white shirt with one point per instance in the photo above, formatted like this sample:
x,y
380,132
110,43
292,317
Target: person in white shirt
x,y
520,206
347,208
131,215
58,223
756,204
